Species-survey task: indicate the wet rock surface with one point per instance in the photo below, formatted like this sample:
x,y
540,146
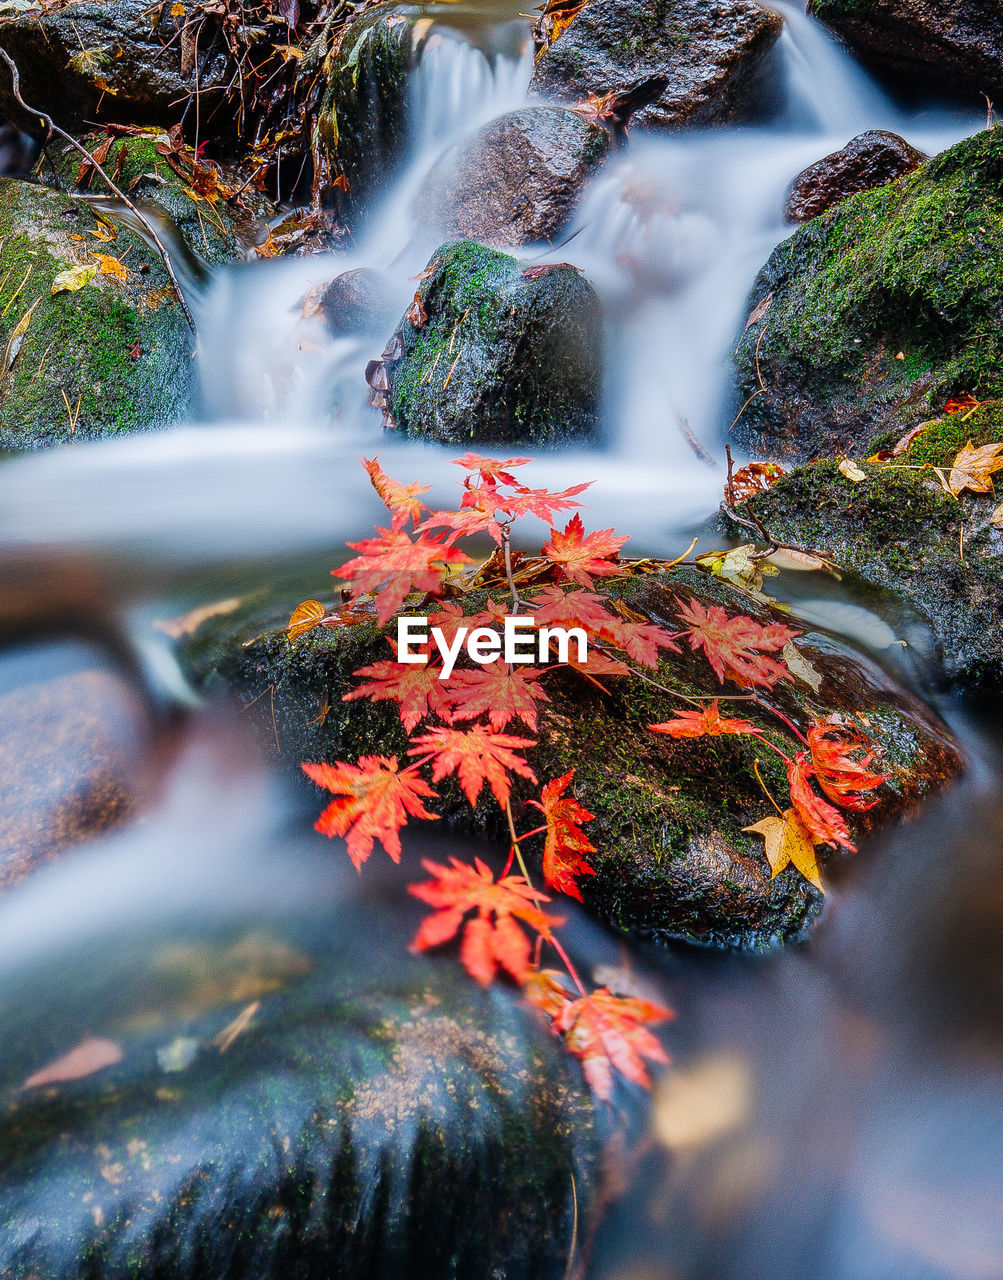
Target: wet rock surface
x,y
495,352
710,55
359,301
957,46
672,860
112,355
515,181
867,161
878,311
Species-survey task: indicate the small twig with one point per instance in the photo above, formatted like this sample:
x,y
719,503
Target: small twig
x,y
147,225
507,548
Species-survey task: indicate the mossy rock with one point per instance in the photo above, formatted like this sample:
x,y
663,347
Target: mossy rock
x,y
881,309
289,1103
112,357
928,554
673,860
501,357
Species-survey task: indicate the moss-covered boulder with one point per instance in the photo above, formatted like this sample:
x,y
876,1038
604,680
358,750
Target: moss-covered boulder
x,y
930,556
515,181
285,1104
956,46
122,60
710,56
673,858
113,354
494,352
876,313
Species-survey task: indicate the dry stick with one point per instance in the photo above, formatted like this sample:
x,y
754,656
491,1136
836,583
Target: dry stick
x,y
144,221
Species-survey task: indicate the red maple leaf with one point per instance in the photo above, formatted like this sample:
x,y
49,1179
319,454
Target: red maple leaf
x,y
469,521
476,755
834,741
580,556
542,502
417,689
705,723
824,823
501,692
391,566
566,841
492,939
492,470
401,499
737,647
639,640
603,1030
373,802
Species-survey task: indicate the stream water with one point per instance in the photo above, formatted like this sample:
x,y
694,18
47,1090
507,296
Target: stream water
x,y
835,1111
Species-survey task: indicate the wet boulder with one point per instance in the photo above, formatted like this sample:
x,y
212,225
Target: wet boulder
x,y
874,314
709,54
957,46
93,341
358,301
867,161
494,352
515,181
674,857
122,60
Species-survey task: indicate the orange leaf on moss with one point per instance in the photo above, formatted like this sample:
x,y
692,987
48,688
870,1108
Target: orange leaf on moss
x,y
566,842
476,755
705,723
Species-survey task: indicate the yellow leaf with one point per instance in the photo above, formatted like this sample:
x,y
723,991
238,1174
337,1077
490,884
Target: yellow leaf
x,y
177,10
74,278
288,52
799,666
850,469
304,618
997,515
973,468
788,842
110,266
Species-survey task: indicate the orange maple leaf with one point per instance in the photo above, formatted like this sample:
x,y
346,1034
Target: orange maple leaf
x,y
476,755
824,823
391,566
374,800
492,470
566,841
501,692
639,640
842,754
705,723
579,556
401,499
972,470
737,647
493,939
416,688
598,107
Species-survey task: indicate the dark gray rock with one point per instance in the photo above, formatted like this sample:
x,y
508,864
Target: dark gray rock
x,y
867,161
359,301
709,53
515,181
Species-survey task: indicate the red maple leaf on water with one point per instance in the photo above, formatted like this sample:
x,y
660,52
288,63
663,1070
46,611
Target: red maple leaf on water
x,y
566,841
833,741
392,566
825,824
541,502
737,647
705,723
604,1030
374,800
501,692
492,939
399,498
579,556
417,689
476,755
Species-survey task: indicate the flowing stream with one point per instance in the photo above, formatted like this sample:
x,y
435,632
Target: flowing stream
x,y
835,1110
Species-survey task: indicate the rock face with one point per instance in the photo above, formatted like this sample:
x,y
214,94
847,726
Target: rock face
x,y
119,60
502,354
118,347
901,534
367,1117
867,161
879,311
709,53
673,859
359,301
515,181
957,46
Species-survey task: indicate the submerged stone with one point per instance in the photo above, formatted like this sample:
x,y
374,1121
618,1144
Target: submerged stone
x,y
495,352
710,56
867,161
878,311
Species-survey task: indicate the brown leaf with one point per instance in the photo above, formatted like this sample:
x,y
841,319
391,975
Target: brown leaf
x,y
534,273
758,312
83,1060
188,623
972,469
908,439
416,313
304,618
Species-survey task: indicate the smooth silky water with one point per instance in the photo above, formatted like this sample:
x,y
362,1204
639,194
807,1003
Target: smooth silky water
x,y
834,1110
